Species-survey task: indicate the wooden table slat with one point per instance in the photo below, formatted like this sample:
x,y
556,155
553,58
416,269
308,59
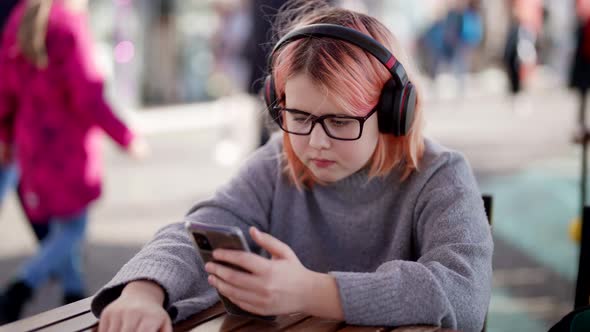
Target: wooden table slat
x,y
316,324
281,323
79,323
237,327
357,328
77,317
90,329
48,318
232,323
222,323
421,328
205,315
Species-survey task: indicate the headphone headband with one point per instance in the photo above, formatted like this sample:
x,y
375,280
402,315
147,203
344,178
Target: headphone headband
x,y
351,36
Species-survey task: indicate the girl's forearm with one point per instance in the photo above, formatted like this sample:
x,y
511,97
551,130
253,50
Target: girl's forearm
x,y
323,297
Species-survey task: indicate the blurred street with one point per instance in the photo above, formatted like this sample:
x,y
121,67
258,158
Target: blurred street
x,y
524,155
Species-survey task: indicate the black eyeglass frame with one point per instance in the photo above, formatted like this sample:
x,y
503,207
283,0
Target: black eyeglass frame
x,y
315,119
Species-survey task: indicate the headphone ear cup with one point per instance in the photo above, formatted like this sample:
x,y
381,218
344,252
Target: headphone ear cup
x,y
387,112
270,98
408,99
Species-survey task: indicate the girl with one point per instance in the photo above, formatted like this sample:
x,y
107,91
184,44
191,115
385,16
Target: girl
x,y
51,107
361,218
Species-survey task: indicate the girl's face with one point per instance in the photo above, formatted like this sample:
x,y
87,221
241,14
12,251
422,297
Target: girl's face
x,y
328,159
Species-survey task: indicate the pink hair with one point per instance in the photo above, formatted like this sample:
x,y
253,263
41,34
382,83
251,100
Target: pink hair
x,y
357,79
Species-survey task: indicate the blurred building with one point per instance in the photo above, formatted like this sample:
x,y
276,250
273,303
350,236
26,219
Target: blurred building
x,y
162,52
155,51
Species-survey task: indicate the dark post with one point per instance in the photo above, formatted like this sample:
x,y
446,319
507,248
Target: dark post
x,y
583,283
487,205
584,151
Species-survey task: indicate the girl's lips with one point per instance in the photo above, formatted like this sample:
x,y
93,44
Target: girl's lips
x,y
322,163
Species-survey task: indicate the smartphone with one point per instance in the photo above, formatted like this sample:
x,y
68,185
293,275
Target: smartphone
x,y
207,238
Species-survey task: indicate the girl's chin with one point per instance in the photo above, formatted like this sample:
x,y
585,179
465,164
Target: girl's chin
x,y
327,176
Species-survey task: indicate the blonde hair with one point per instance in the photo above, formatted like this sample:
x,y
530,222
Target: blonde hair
x,y
355,76
33,31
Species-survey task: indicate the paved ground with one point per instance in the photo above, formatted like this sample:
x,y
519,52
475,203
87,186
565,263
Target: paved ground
x,y
524,158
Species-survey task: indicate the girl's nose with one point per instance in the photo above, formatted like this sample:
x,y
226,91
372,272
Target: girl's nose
x,y
318,138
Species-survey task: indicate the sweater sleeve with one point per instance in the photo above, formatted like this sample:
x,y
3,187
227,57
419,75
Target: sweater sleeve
x,y
83,80
171,260
449,284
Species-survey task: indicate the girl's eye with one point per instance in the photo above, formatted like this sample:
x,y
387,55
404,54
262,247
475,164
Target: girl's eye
x,y
302,119
340,122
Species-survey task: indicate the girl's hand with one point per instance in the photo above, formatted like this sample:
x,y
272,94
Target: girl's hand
x,y
274,287
139,308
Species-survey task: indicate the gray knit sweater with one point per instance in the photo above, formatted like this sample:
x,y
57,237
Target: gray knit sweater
x,y
412,252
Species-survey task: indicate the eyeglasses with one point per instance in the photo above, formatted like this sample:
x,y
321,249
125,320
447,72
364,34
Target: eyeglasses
x,y
341,127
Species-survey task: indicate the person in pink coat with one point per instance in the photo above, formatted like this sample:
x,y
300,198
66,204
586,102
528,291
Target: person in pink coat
x,y
52,110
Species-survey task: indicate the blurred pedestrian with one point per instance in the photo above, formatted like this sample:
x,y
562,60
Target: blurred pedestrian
x,y
162,57
520,51
8,170
471,32
463,34
231,68
449,42
580,72
52,109
8,174
432,47
257,50
580,81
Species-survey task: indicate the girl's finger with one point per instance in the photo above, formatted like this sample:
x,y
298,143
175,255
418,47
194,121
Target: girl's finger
x,y
111,323
246,260
273,245
255,309
149,324
103,324
167,327
234,277
232,292
130,323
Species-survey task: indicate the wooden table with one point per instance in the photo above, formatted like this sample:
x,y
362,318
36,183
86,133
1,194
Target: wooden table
x,y
77,317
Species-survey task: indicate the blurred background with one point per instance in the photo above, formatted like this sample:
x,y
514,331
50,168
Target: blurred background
x,y
496,76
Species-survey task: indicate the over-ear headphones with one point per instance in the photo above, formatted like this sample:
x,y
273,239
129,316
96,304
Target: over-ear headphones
x,y
397,102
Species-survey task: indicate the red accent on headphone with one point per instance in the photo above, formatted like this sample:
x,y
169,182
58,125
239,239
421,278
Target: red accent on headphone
x,y
390,62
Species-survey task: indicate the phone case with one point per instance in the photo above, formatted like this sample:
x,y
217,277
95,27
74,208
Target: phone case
x,y
226,237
